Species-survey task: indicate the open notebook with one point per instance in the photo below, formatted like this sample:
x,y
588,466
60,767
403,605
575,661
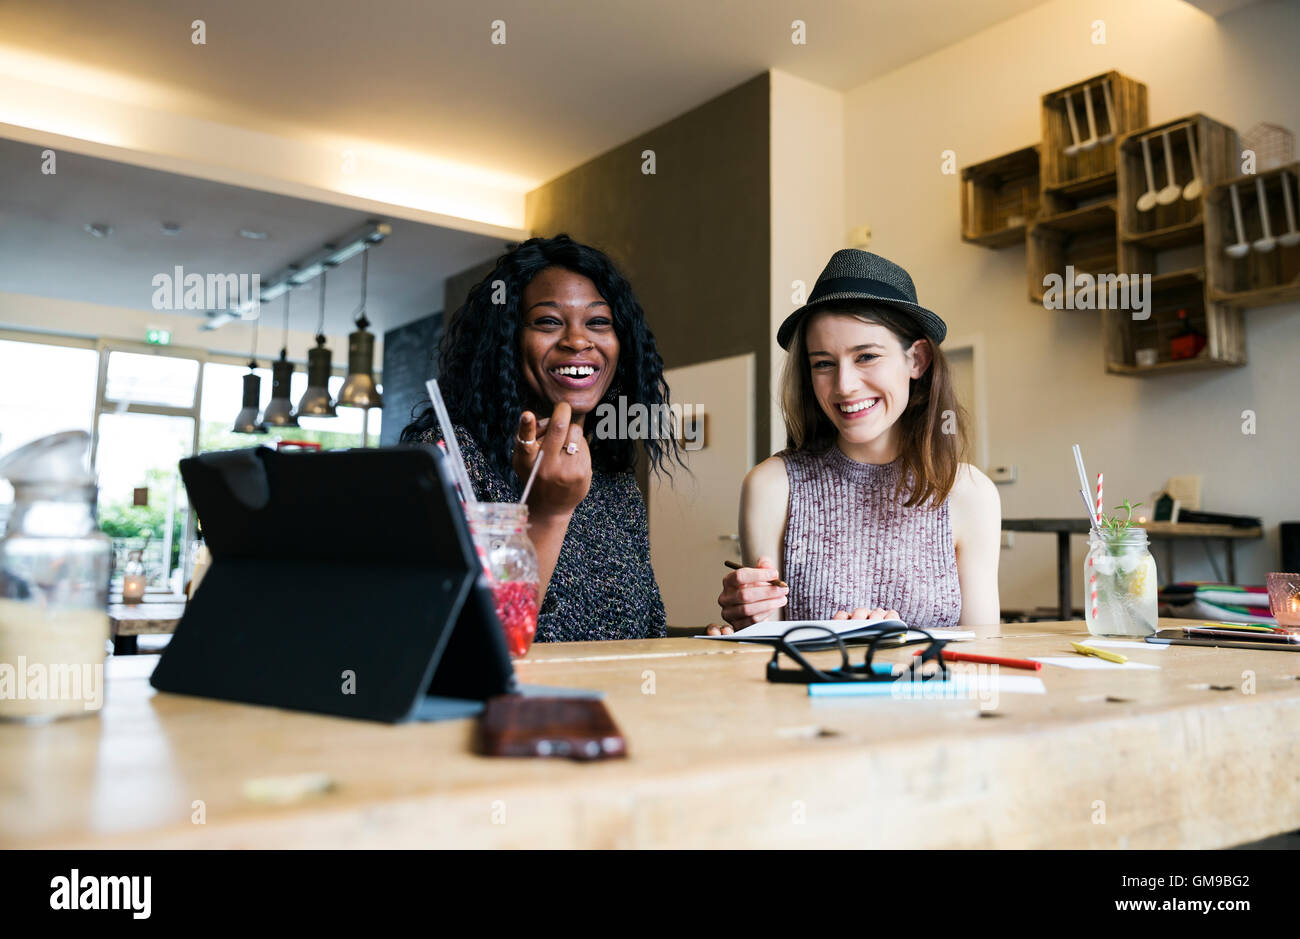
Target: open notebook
x,y
846,629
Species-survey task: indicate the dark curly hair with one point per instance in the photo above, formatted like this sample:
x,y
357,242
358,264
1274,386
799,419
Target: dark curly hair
x,y
479,361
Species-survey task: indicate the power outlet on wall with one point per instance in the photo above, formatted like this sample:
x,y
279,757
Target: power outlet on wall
x,y
1006,473
1008,539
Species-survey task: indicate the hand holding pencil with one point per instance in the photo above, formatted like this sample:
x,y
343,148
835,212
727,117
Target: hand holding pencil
x,y
750,595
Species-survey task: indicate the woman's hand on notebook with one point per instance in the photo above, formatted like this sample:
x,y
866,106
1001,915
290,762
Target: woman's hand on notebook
x,y
749,596
863,613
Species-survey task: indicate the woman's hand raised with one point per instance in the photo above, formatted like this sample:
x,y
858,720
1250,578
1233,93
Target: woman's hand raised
x,y
564,477
749,596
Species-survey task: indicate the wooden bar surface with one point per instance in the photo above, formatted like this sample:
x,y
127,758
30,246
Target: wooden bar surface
x,y
1203,753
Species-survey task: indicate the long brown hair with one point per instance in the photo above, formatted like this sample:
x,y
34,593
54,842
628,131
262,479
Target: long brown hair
x,y
933,435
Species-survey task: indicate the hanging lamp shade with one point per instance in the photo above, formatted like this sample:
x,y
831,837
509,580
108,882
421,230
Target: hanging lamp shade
x,y
279,412
316,399
359,389
247,421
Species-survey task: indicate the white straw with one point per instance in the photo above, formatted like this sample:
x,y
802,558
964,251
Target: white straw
x,y
531,476
1083,475
449,437
1092,519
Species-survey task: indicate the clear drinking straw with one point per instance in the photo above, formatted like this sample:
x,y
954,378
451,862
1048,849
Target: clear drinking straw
x,y
1083,474
449,436
1093,521
531,476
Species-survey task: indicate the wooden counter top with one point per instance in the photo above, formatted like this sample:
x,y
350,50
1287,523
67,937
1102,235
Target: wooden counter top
x,y
718,758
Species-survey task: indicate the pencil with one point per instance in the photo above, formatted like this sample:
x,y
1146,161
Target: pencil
x,y
740,567
950,656
1099,653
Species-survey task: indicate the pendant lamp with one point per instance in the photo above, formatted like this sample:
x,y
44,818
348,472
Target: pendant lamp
x,y
359,389
247,421
279,413
316,399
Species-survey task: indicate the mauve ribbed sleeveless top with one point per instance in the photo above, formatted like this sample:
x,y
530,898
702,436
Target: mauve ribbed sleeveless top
x,y
850,542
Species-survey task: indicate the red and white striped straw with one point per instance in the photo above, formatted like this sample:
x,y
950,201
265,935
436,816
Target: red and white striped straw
x,y
1092,578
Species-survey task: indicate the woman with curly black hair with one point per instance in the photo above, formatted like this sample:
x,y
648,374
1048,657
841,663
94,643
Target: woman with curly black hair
x,y
552,332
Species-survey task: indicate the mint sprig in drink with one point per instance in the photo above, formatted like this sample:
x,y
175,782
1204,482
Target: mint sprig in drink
x,y
1119,579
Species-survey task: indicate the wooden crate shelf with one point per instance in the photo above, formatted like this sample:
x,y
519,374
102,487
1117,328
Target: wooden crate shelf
x,y
1000,198
1220,323
1086,221
1082,238
1174,236
1258,278
1087,172
1192,277
1179,222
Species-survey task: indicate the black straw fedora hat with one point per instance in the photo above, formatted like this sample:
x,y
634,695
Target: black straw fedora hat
x,y
853,275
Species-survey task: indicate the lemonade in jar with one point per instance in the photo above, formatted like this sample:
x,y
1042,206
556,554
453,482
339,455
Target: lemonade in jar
x,y
1119,581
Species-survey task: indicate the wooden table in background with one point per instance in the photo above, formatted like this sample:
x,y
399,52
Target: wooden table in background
x,y
1063,528
1175,758
157,615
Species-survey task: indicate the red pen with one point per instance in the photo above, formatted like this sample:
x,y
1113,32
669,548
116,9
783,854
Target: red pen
x,y
988,660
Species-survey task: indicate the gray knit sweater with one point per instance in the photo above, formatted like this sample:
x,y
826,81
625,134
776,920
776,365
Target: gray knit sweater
x,y
850,542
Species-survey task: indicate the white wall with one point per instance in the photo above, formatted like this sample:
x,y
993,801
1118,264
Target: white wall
x,y
807,179
1046,384
58,104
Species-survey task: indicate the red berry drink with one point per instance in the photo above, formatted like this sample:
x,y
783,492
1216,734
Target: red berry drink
x,y
516,603
500,531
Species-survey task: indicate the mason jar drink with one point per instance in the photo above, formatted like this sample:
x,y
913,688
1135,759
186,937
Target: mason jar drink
x,y
54,570
1119,585
500,531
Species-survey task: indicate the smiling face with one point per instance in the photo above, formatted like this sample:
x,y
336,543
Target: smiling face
x,y
860,376
568,343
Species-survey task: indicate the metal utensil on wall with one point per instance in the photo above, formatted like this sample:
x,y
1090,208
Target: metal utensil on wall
x,y
1110,112
1147,201
1268,242
1240,249
1074,127
1092,140
1172,190
1192,190
1292,237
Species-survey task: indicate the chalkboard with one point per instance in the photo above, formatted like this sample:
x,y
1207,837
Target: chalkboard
x,y
410,359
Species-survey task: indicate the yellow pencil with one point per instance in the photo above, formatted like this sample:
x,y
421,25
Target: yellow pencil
x,y
1099,653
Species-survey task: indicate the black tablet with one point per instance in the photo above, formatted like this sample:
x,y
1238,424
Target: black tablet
x,y
342,582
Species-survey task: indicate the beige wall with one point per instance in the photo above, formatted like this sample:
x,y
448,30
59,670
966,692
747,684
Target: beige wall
x,y
807,182
693,237
1046,384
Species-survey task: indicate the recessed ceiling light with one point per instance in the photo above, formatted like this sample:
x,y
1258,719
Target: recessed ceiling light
x,y
99,231
253,235
171,228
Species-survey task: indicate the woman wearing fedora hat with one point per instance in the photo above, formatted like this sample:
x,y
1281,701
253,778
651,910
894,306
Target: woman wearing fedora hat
x,y
869,509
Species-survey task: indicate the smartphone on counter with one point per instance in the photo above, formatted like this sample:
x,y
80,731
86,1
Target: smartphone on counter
x,y
576,728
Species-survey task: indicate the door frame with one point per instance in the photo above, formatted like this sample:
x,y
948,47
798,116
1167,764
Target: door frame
x,y
103,403
975,343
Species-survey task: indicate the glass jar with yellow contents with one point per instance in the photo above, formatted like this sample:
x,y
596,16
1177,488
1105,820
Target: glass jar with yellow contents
x,y
1119,584
54,570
